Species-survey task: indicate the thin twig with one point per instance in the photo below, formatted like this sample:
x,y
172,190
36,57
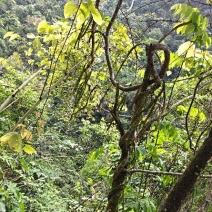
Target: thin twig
x,y
161,173
172,30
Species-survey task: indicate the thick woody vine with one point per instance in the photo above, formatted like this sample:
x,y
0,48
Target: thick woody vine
x,y
138,126
144,99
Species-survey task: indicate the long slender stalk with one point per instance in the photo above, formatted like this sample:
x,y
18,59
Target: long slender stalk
x,y
13,95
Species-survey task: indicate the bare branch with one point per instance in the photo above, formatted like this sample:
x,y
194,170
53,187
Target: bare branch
x,y
161,173
111,71
187,114
118,6
172,30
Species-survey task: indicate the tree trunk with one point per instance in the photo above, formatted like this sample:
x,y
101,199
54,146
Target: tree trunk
x,y
120,174
205,205
185,184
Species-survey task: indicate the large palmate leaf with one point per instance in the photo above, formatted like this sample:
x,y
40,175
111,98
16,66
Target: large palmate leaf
x,y
69,9
95,13
13,139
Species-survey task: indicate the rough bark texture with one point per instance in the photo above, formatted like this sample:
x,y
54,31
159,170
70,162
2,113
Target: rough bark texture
x,y
119,177
185,184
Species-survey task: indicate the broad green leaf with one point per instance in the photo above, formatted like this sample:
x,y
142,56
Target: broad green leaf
x,y
50,29
80,18
8,34
177,11
48,38
195,17
90,180
181,29
30,36
12,137
26,134
45,62
84,9
175,60
14,36
199,53
191,51
181,108
208,57
69,9
22,207
14,140
193,112
31,62
161,151
183,48
28,52
189,11
29,149
202,117
16,145
177,8
102,76
199,19
96,153
83,13
141,72
184,9
102,172
36,43
174,7
42,27
167,180
204,23
95,13
189,29
208,41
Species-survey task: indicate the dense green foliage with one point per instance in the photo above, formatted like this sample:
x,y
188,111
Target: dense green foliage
x,y
63,154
